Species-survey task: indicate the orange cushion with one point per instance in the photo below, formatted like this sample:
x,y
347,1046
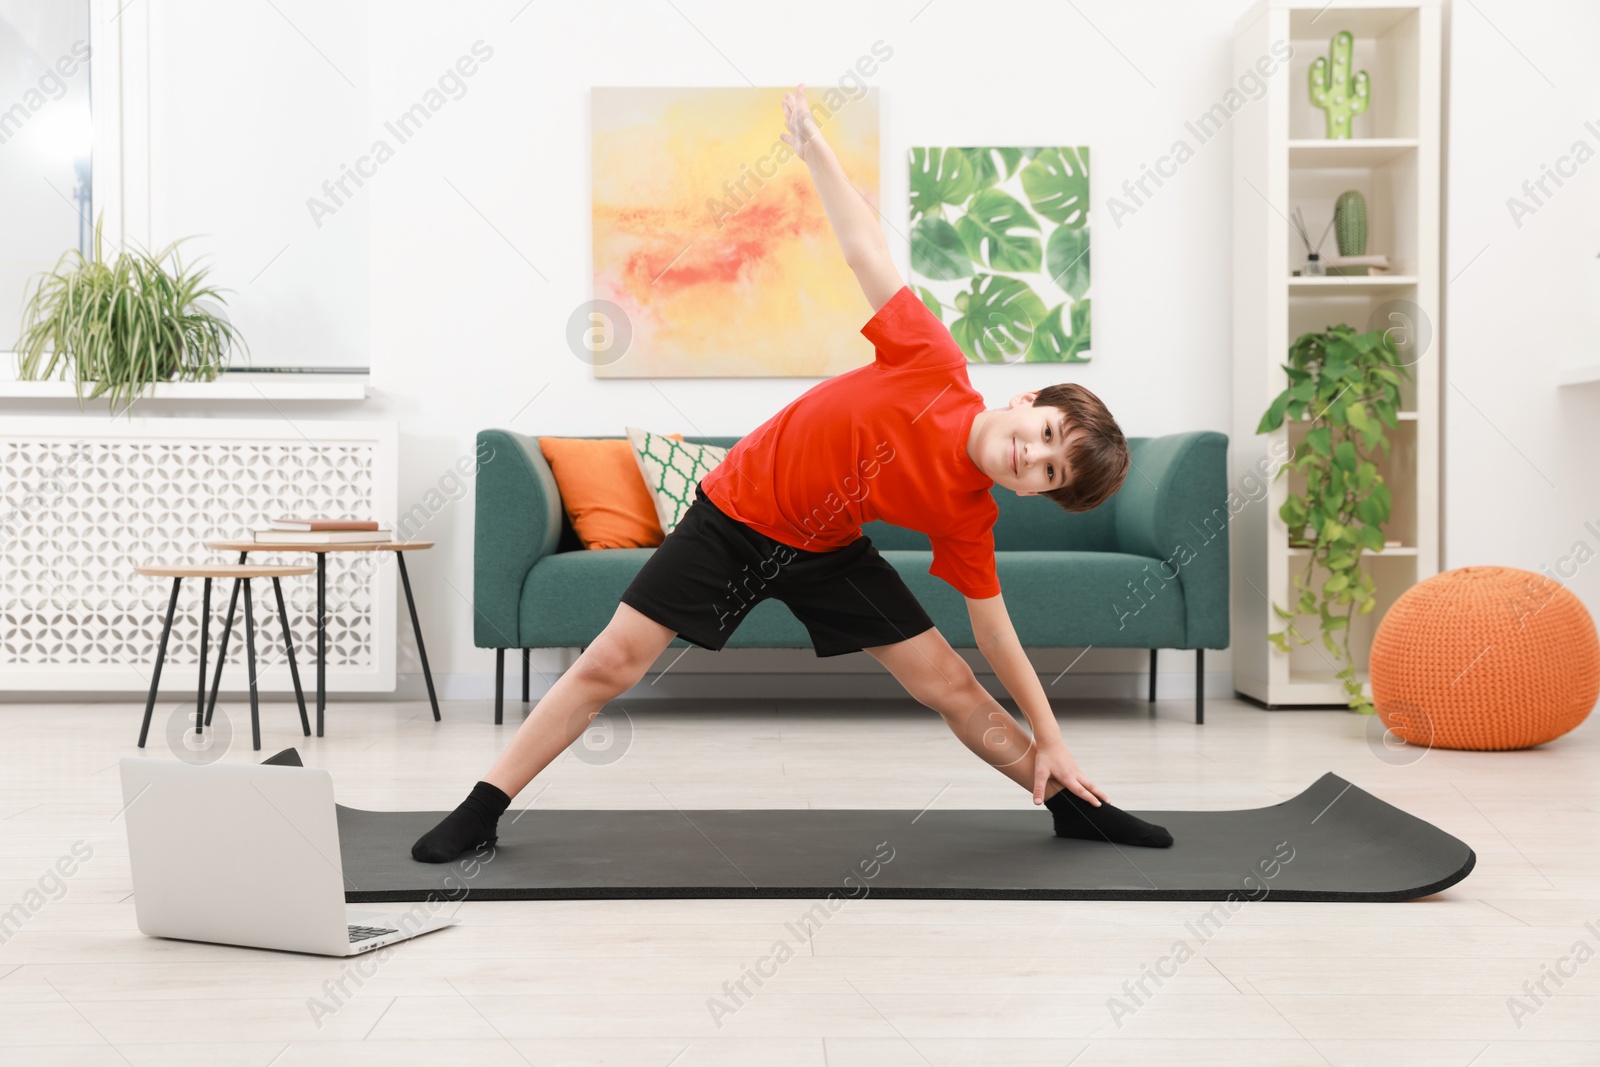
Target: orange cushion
x,y
603,492
1484,657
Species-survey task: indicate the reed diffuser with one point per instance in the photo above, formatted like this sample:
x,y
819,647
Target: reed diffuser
x,y
1313,267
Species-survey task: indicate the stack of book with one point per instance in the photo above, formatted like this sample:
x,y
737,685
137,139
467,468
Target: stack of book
x,y
321,532
1356,266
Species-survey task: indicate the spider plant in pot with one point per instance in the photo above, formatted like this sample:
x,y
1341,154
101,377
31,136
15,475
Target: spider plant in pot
x,y
123,326
1345,387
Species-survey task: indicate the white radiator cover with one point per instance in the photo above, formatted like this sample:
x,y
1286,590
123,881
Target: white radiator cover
x,y
83,502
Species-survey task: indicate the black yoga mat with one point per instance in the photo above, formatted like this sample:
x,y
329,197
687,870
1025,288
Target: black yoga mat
x,y
1334,841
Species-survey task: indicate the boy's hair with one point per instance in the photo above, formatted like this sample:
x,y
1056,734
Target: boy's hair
x,y
1098,457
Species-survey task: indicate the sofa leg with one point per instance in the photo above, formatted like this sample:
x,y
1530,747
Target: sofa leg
x,y
526,654
1199,686
499,685
1152,681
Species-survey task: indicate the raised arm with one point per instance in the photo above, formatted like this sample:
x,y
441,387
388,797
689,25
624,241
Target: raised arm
x,y
997,641
866,251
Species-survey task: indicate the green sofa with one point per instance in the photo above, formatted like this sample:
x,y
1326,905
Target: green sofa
x,y
1147,569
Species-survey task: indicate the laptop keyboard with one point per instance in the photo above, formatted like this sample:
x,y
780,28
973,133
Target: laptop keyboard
x,y
361,933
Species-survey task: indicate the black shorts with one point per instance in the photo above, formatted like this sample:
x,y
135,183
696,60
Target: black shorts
x,y
712,570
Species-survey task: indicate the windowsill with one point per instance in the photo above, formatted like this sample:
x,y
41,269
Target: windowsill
x,y
231,386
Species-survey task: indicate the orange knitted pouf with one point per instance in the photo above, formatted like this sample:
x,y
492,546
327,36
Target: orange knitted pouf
x,y
1485,658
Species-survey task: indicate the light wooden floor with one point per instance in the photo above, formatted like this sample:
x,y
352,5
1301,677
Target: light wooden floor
x,y
884,983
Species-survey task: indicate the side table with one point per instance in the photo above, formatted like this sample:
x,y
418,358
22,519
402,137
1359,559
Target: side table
x,y
399,548
241,575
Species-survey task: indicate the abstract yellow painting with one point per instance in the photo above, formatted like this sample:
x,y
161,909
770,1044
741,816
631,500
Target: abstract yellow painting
x,y
710,238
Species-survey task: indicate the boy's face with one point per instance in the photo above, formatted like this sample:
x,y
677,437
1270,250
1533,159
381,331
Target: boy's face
x,y
1024,448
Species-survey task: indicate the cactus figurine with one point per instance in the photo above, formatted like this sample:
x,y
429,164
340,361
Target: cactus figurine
x,y
1350,227
1334,89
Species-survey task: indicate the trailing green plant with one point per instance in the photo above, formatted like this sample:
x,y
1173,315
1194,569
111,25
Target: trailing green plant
x,y
1346,387
123,326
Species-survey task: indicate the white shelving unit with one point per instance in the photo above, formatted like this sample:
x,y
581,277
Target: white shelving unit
x,y
1281,159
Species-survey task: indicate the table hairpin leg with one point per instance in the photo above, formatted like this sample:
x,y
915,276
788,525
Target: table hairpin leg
x,y
422,653
322,637
288,646
250,660
205,638
222,645
161,655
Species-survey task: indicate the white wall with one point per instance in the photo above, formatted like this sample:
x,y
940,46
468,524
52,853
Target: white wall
x,y
1522,299
473,241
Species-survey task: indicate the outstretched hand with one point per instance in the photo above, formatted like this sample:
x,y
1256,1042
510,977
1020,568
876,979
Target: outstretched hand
x,y
797,117
1052,760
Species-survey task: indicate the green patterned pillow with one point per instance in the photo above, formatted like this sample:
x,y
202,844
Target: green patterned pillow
x,y
671,468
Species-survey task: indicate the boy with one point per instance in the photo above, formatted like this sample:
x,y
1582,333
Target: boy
x,y
907,440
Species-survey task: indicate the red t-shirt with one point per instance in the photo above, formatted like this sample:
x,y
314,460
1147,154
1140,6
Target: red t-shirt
x,y
884,441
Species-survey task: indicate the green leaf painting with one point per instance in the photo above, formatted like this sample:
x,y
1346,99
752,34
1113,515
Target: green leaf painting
x,y
997,164
994,231
940,176
997,318
1057,183
1067,259
1000,249
937,252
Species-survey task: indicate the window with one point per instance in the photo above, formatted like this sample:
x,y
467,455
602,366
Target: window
x,y
46,138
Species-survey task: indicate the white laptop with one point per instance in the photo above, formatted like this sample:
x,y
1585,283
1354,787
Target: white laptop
x,y
248,854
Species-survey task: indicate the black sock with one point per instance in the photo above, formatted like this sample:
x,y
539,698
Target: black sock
x,y
1076,817
471,824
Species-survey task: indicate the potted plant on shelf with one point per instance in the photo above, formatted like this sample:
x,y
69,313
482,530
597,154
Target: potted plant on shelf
x,y
121,327
1345,386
